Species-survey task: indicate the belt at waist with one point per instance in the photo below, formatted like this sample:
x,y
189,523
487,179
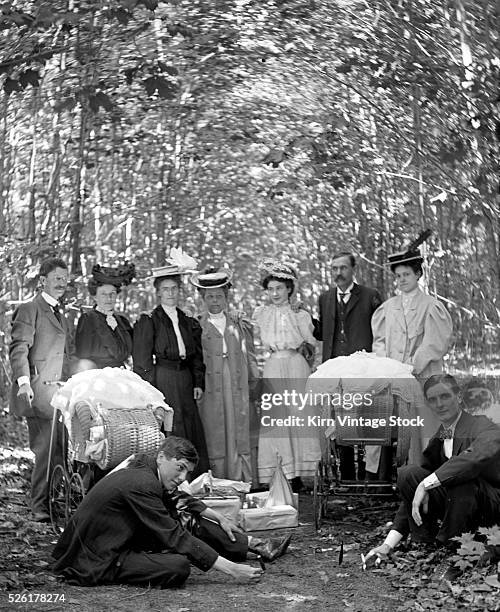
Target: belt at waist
x,y
172,364
283,353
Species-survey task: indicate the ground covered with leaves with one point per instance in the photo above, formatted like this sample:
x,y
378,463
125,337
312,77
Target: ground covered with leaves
x,y
322,570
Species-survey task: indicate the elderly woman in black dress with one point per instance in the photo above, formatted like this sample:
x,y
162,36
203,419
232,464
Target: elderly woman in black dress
x,y
103,336
167,353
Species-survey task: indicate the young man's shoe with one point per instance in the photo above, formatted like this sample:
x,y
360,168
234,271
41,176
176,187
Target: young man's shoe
x,y
269,549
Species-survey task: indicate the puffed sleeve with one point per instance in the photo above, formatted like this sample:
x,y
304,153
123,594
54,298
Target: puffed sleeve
x,y
257,316
305,325
438,329
197,365
378,329
142,348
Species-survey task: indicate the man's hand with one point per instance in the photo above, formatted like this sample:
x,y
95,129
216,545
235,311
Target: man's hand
x,y
421,498
378,554
198,393
227,525
26,390
244,573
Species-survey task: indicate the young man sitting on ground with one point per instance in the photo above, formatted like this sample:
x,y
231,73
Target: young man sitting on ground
x,y
128,528
457,487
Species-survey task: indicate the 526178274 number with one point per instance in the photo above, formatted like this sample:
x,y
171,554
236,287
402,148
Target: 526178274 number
x,y
36,597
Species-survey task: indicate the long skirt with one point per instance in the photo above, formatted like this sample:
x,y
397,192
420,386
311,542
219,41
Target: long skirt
x,y
177,387
298,446
229,454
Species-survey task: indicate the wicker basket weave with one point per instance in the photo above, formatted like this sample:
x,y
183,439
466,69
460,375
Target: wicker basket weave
x,y
382,407
127,431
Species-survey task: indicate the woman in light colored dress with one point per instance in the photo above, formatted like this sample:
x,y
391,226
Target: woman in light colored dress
x,y
286,333
414,328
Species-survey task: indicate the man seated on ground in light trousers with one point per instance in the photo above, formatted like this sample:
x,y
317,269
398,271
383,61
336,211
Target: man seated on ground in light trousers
x,y
128,528
458,482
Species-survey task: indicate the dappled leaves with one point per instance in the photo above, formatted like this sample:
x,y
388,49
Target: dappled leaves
x,y
272,127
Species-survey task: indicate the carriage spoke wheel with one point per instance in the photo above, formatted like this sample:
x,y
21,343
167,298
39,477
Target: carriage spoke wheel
x,y
320,494
58,488
76,493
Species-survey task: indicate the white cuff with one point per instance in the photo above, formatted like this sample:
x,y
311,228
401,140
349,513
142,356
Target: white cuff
x,y
393,538
23,380
431,482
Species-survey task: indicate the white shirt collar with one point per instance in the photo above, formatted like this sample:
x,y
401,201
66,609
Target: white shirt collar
x,y
454,425
411,294
106,314
51,301
170,310
346,291
220,316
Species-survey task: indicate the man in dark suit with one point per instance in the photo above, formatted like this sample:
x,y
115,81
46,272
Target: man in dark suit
x,y
457,487
40,354
136,527
344,326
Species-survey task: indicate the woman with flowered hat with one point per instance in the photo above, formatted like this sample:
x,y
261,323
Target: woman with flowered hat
x,y
167,352
231,380
285,332
104,336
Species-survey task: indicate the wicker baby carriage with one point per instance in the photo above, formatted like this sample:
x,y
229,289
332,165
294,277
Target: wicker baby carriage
x,y
108,414
367,424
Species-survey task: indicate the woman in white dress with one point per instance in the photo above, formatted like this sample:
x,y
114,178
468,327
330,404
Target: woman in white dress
x,y
288,334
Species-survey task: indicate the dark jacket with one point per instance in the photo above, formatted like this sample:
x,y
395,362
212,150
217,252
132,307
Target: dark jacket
x,y
105,347
476,454
154,336
127,510
359,310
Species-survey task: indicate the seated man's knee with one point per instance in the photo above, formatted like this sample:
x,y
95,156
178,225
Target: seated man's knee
x,y
409,476
405,472
178,572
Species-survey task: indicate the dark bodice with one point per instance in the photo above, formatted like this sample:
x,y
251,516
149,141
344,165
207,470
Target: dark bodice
x,y
96,341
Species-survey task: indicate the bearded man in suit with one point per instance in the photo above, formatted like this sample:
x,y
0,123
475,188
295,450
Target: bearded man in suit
x,y
344,326
40,353
457,487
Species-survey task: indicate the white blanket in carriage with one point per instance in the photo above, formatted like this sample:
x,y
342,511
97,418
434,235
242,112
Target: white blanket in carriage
x,y
109,388
364,372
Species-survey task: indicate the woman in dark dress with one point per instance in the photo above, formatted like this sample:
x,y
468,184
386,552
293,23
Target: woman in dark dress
x,y
103,336
167,353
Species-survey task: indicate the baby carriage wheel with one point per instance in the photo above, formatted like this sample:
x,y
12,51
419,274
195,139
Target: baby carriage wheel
x,y
58,488
76,493
320,493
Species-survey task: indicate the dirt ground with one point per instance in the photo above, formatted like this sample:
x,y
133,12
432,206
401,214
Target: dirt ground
x,y
308,577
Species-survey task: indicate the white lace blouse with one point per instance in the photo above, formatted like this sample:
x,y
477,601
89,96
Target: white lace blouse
x,y
281,328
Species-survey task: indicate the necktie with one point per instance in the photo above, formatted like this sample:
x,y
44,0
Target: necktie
x,y
57,312
446,434
342,296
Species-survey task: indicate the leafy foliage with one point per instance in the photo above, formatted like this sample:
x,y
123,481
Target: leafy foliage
x,y
242,128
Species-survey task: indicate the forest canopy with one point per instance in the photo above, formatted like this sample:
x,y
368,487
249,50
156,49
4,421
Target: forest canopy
x,y
243,128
